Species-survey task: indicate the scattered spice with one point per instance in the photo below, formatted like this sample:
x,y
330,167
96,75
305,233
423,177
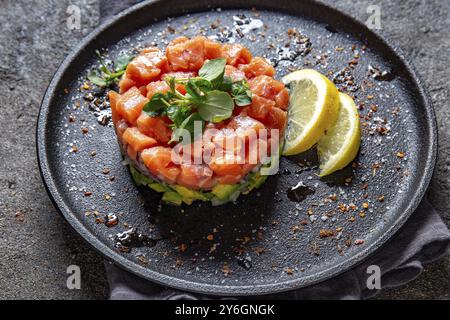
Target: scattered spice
x,y
359,242
325,233
400,154
19,216
289,271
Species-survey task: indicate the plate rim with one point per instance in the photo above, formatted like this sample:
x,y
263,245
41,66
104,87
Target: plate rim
x,y
229,290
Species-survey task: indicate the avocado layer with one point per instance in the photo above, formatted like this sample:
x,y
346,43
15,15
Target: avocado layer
x,y
177,194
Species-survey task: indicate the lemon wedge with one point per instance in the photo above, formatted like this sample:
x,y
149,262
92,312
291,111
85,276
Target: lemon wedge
x,y
313,108
340,145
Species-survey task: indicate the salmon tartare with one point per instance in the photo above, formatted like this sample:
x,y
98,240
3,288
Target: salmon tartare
x,y
200,120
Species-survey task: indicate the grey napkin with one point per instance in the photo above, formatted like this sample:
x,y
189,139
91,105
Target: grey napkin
x,y
424,238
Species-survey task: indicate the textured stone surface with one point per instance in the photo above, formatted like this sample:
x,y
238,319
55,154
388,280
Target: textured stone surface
x,y
36,245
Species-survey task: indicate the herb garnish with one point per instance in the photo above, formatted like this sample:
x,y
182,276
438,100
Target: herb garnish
x,y
209,97
103,76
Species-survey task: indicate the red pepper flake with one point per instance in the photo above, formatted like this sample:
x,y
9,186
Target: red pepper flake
x,y
178,263
342,207
99,220
359,242
304,222
259,250
87,193
369,97
74,149
260,235
381,198
19,216
210,237
374,108
142,259
325,233
365,186
400,154
226,269
333,197
182,247
289,271
365,205
84,130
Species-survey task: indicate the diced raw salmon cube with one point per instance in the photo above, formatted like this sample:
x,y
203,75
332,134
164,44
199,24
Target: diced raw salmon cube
x,y
186,55
195,176
148,65
265,86
158,160
276,119
137,140
234,73
130,104
260,107
113,98
282,99
236,54
154,127
213,49
126,83
257,67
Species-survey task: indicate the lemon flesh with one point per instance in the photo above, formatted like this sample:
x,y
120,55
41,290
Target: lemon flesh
x,y
340,145
313,108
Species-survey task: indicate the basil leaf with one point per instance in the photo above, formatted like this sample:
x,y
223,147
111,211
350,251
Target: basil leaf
x,y
122,62
217,106
213,70
155,105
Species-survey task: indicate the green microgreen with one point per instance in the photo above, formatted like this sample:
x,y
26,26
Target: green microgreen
x,y
103,76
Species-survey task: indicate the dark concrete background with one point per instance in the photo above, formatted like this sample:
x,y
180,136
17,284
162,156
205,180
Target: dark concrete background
x,y
37,245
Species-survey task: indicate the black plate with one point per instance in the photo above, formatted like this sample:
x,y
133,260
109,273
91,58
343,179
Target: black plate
x,y
295,255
